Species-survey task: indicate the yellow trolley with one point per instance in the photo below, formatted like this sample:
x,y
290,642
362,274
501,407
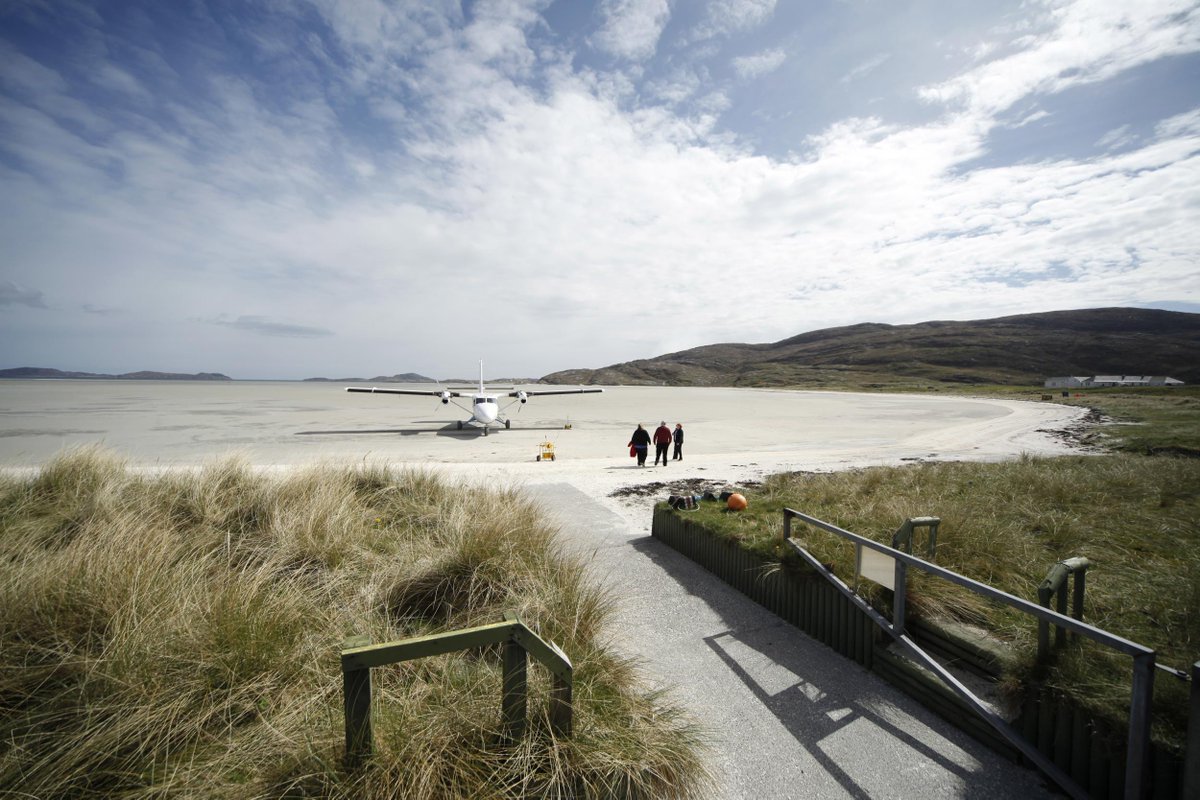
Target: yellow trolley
x,y
546,451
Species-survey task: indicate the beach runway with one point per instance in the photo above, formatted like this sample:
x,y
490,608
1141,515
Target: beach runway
x,y
789,717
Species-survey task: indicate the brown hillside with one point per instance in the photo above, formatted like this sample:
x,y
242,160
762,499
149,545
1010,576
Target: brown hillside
x,y
1020,350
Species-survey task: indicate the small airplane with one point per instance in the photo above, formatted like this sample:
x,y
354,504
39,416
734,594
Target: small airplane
x,y
485,407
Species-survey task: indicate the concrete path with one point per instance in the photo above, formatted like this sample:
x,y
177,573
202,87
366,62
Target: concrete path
x,y
789,717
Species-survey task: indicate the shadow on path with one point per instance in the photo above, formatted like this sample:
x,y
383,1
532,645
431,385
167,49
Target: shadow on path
x,y
843,716
789,717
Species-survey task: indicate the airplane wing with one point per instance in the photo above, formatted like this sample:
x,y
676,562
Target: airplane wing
x,y
420,392
533,393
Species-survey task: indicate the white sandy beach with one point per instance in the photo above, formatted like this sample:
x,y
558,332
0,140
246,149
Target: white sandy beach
x,y
731,435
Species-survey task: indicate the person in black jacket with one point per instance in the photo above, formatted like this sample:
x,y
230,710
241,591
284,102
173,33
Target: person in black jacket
x,y
640,442
678,435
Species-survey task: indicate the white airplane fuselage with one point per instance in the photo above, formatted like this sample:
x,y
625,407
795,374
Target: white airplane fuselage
x,y
485,406
485,409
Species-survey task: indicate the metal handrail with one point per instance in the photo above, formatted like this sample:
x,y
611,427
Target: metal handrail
x,y
906,534
358,657
1138,742
1055,585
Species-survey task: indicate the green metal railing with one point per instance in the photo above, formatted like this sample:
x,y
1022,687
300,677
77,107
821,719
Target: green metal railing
x,y
1137,772
359,656
1055,586
903,538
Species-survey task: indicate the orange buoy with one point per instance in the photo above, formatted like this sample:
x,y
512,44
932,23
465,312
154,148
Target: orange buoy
x,y
736,502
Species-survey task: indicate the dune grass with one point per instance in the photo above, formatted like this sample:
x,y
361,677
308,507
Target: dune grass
x,y
1134,518
1150,419
178,634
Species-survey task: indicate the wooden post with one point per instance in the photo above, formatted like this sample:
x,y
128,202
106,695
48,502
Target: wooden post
x,y
513,696
560,707
356,702
517,642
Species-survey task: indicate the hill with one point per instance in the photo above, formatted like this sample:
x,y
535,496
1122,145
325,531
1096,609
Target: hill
x,y
401,377
44,373
1018,350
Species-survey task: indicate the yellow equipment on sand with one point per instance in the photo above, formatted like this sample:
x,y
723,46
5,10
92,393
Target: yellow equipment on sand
x,y
546,451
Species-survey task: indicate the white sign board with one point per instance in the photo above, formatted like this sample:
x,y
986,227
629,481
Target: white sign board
x,y
877,567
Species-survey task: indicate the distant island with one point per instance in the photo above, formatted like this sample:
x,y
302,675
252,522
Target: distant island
x,y
403,377
145,375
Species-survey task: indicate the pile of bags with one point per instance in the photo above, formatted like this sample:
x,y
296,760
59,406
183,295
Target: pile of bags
x,y
690,502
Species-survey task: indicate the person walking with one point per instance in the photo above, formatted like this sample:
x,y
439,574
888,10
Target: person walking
x,y
640,442
678,455
662,440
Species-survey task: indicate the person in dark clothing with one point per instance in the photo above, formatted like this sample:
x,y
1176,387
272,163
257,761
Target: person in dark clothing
x,y
678,455
662,440
640,442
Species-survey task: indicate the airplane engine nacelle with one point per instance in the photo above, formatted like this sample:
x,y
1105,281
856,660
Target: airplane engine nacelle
x,y
524,398
445,398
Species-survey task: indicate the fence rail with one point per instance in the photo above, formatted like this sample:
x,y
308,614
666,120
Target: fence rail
x,y
1078,743
359,656
1137,764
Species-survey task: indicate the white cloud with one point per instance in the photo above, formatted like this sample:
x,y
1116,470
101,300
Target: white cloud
x,y
866,68
1089,41
13,295
723,17
1117,138
267,327
1029,119
502,198
759,64
631,28
118,80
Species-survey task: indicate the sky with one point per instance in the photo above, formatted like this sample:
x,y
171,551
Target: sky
x,y
284,189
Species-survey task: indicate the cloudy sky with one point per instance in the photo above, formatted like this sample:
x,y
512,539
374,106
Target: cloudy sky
x,y
293,188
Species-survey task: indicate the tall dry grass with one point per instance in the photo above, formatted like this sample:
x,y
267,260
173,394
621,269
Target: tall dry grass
x,y
178,635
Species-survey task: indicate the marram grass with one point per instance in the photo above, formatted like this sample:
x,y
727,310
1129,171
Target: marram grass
x,y
177,635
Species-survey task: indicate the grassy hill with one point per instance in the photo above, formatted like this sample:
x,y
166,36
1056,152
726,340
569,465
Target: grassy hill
x,y
1017,350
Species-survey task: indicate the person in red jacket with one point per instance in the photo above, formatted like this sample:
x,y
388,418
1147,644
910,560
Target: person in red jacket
x,y
662,440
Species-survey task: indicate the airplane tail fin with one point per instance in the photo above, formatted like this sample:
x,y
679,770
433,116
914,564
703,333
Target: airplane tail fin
x,y
481,389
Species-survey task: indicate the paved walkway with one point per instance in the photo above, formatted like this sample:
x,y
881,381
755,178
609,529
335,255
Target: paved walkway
x,y
790,718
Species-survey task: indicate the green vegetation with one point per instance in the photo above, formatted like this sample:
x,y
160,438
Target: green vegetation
x,y
1149,420
1134,517
178,634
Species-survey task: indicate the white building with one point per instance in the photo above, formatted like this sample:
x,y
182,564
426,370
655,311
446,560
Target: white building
x,y
1067,382
1103,381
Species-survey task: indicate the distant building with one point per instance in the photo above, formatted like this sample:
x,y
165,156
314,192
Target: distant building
x,y
1067,382
1108,381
